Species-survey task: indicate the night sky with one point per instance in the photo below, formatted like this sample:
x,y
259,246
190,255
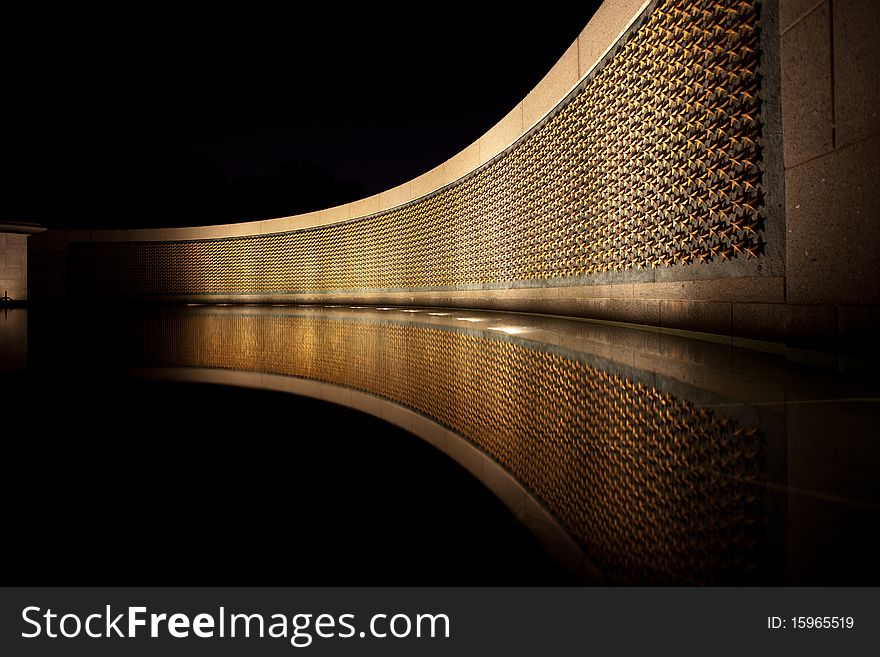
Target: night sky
x,y
160,116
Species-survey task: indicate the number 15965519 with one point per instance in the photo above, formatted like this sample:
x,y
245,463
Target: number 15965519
x,y
810,623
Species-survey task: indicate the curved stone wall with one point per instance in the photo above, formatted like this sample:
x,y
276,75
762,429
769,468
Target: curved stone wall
x,y
650,168
691,165
653,161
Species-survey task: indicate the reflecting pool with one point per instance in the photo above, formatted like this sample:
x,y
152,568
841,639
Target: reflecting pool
x,y
635,455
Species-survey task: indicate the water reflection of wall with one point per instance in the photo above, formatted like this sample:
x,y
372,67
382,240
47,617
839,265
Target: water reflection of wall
x,y
13,340
653,485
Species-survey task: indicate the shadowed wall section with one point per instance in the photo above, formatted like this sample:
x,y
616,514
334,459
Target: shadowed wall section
x,y
643,180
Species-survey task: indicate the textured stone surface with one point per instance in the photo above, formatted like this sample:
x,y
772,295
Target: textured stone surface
x,y
108,235
303,221
618,310
398,415
604,27
502,134
764,288
764,321
806,88
833,228
395,196
503,485
343,212
364,206
454,168
705,316
793,11
336,394
367,403
856,66
465,454
430,432
561,78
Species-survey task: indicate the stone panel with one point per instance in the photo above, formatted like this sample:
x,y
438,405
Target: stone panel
x,y
834,228
807,122
856,66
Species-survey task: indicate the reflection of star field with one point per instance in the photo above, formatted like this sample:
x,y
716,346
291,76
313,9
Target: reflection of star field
x,y
655,487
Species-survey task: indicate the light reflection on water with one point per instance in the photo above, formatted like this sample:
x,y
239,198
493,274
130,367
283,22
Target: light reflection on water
x,y
667,459
13,339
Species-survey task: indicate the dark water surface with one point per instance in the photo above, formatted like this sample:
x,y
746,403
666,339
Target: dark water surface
x,y
666,458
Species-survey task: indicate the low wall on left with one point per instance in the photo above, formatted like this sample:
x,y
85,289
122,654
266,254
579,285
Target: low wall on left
x,y
13,259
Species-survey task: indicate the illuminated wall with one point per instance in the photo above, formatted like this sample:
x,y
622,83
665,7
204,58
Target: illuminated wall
x,y
13,265
653,162
659,174
14,259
